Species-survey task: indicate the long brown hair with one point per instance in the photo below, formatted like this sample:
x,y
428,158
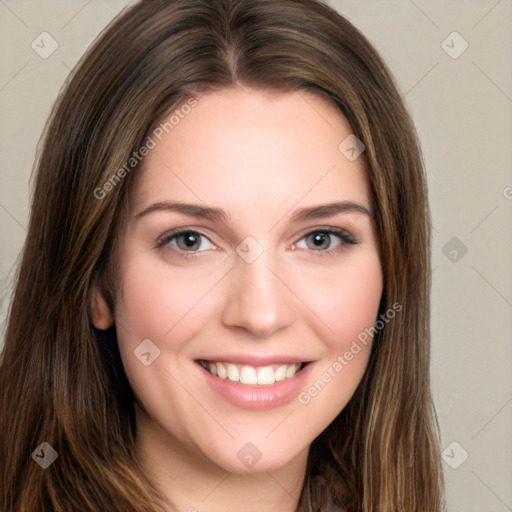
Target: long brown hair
x,y
62,381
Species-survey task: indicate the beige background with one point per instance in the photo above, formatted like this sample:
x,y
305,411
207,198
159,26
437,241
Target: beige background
x,y
462,109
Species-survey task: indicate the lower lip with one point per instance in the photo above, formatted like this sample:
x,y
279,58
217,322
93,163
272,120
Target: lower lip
x,y
258,398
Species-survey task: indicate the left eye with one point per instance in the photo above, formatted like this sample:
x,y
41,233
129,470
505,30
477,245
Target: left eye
x,y
322,240
319,241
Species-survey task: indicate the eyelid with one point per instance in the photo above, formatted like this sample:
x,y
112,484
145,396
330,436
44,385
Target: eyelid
x,y
168,235
344,235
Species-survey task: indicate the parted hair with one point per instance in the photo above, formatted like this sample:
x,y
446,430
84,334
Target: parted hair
x,y
61,380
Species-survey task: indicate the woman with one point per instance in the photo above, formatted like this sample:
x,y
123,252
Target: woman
x,y
249,367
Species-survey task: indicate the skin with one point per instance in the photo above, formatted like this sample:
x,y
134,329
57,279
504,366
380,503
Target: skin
x,y
261,156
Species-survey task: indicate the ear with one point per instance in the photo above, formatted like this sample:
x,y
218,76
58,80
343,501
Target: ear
x,y
100,307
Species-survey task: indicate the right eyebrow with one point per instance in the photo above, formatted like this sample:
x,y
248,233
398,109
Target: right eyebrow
x,y
218,215
192,210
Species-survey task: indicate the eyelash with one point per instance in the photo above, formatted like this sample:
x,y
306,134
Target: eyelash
x,y
342,234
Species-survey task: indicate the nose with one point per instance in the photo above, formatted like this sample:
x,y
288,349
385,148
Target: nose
x,y
258,299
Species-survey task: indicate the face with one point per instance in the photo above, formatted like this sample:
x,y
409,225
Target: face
x,y
242,295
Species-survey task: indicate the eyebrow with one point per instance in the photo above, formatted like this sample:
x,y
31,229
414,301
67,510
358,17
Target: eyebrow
x,y
219,215
329,210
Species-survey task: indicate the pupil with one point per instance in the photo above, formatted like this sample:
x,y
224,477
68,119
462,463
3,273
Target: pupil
x,y
190,239
319,238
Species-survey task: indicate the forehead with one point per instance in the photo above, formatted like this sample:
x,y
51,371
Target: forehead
x,y
253,151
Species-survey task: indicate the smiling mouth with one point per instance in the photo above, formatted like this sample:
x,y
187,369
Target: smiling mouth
x,y
252,375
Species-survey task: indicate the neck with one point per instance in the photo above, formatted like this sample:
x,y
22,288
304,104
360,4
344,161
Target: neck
x,y
191,482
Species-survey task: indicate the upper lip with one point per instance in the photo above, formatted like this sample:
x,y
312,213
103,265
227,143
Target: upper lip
x,y
253,359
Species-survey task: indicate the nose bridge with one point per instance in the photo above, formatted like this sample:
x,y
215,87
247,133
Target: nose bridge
x,y
257,300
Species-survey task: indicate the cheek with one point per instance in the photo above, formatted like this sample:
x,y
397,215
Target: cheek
x,y
346,298
156,303
355,305
347,303
170,309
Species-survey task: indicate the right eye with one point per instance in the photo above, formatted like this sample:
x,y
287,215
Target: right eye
x,y
185,240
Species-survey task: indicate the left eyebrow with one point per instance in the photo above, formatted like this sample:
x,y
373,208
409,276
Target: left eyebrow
x,y
219,215
329,210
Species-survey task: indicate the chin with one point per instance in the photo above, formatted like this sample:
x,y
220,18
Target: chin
x,y
253,458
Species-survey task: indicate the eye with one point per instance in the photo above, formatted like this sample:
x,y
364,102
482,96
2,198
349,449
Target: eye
x,y
185,240
322,240
188,243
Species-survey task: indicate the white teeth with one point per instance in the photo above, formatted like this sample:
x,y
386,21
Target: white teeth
x,y
266,376
250,375
233,373
281,372
221,371
291,371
